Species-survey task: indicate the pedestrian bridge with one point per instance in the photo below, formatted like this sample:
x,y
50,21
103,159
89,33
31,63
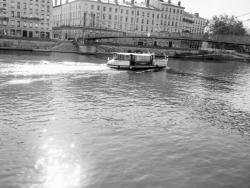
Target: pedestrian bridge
x,y
226,39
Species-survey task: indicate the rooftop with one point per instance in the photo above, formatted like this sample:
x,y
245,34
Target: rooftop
x,y
115,2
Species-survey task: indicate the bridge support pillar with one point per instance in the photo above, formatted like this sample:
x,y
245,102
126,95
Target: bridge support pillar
x,y
206,45
87,49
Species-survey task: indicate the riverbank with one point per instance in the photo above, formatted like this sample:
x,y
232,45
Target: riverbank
x,y
109,49
215,54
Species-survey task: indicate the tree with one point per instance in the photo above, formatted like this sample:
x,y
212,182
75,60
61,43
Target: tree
x,y
225,25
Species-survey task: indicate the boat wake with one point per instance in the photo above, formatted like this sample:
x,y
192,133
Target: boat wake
x,y
43,68
23,81
208,78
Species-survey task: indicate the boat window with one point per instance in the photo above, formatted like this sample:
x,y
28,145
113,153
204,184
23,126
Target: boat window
x,y
115,57
127,58
123,57
142,58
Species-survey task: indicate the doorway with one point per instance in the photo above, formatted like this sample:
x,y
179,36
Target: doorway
x,y
25,33
30,34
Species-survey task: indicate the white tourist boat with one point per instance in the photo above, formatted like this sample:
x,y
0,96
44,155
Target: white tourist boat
x,y
136,61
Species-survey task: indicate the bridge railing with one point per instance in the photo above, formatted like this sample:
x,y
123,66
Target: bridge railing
x,y
245,40
230,39
155,34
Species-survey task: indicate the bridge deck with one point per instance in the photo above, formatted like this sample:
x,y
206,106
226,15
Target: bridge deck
x,y
239,40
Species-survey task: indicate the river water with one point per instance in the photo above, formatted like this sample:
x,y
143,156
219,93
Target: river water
x,y
68,121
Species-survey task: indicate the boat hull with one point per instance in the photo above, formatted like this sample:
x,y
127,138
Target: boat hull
x,y
125,67
134,61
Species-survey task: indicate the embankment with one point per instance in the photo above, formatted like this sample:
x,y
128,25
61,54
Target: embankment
x,y
179,53
108,49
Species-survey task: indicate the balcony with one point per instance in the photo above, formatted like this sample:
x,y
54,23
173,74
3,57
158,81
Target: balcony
x,y
2,9
4,18
31,18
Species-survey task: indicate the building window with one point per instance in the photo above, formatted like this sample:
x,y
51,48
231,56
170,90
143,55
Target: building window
x,y
18,5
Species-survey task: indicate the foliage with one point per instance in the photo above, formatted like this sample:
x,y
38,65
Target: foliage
x,y
225,25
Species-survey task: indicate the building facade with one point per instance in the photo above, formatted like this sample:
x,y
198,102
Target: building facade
x,y
199,24
188,22
26,18
170,15
120,16
148,17
193,23
151,16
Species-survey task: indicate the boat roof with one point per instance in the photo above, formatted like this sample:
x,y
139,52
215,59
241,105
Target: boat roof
x,y
136,54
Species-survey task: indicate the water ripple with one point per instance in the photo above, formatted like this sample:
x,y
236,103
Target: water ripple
x,y
69,121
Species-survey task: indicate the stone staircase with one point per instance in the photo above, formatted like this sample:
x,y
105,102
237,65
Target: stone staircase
x,y
66,46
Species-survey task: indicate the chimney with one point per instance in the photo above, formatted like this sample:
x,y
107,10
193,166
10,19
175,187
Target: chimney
x,y
132,2
67,1
197,15
147,3
60,2
123,1
179,3
116,2
169,1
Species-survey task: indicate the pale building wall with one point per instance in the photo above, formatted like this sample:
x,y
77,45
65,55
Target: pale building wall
x,y
188,21
172,17
26,18
199,24
151,17
122,17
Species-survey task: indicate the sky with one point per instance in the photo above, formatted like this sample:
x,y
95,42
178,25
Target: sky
x,y
209,8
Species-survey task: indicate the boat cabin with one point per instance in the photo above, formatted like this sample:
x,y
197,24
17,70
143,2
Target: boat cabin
x,y
135,59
